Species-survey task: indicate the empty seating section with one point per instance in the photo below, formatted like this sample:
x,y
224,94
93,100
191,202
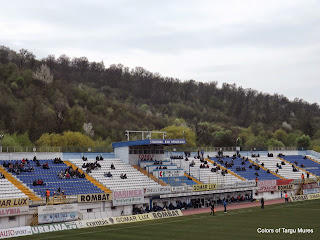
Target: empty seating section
x,y
78,155
8,190
135,179
304,163
177,181
317,159
205,175
72,186
248,173
285,171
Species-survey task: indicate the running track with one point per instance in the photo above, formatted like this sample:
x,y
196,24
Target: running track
x,y
233,206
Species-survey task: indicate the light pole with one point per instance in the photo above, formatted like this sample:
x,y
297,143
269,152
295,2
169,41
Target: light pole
x,y
1,137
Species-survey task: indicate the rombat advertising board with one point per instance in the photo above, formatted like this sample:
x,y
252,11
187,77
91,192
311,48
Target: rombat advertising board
x,y
95,197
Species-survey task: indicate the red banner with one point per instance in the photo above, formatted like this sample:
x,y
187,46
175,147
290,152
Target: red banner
x,y
284,182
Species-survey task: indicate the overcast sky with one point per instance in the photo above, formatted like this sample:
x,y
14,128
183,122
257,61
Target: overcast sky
x,y
272,46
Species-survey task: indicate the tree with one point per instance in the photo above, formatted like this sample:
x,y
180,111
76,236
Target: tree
x,y
280,135
43,74
303,141
179,132
274,143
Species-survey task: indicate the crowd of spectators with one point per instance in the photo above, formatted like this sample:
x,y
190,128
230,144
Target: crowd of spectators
x,y
70,173
91,166
18,166
57,161
38,182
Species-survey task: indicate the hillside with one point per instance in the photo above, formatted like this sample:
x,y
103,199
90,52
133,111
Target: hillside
x,y
116,98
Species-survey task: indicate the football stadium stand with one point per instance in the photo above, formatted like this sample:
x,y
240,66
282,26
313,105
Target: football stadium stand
x,y
304,163
134,178
51,180
8,190
276,165
245,168
205,175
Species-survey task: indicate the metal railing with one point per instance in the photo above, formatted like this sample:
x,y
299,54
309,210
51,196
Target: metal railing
x,y
10,149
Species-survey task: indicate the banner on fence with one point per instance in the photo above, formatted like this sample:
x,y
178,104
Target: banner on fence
x,y
204,187
14,202
128,197
267,186
310,191
285,187
13,211
92,223
168,173
157,190
246,184
15,232
53,227
95,197
310,185
305,197
58,213
284,181
178,189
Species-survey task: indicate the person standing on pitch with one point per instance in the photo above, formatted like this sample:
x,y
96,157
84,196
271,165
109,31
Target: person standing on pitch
x,y
262,203
225,205
286,198
212,208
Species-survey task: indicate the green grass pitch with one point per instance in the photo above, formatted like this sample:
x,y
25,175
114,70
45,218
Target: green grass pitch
x,y
236,224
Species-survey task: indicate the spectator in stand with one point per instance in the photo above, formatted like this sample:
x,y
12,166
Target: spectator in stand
x,y
2,176
45,166
112,166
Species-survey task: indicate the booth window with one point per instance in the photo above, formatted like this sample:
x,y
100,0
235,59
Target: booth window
x,y
12,218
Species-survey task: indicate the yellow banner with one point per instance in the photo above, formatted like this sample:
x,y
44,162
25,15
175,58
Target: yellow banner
x,y
204,187
145,216
305,197
95,197
14,202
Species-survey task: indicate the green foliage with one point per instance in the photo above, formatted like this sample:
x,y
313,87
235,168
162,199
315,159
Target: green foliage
x,y
274,143
256,141
67,139
117,98
176,132
303,141
280,135
15,140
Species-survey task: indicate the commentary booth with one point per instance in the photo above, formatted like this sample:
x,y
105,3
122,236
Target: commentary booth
x,y
135,152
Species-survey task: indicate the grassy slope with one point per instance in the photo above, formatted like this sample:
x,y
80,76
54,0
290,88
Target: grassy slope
x,y
236,224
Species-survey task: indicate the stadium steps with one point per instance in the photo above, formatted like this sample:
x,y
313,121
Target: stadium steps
x,y
19,185
162,183
277,175
299,189
312,159
301,169
229,171
89,178
193,179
